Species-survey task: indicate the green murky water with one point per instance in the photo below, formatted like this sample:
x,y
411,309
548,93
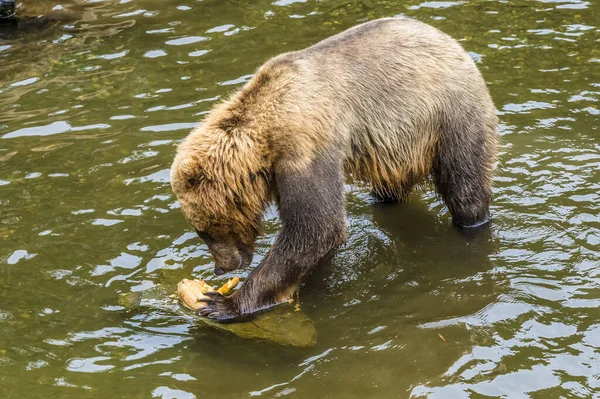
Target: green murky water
x,y
90,112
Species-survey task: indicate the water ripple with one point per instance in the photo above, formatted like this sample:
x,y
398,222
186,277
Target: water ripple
x,y
91,109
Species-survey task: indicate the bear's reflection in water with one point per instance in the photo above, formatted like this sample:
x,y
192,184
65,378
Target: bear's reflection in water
x,y
404,259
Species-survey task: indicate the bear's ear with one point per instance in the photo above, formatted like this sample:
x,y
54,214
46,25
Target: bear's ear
x,y
189,174
229,124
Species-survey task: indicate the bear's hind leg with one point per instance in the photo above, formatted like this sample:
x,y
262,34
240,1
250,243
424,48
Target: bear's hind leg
x,y
463,168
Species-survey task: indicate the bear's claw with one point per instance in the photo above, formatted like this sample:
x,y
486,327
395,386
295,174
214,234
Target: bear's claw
x,y
218,307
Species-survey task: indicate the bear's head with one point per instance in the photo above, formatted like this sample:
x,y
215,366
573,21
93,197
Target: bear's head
x,y
222,183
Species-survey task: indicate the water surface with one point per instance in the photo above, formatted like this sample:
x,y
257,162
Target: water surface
x,y
90,112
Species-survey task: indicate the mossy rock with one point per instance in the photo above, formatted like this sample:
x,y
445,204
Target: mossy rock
x,y
7,9
283,325
35,8
44,10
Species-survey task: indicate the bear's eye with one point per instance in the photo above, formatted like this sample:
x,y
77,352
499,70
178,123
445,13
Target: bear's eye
x,y
237,200
193,181
255,175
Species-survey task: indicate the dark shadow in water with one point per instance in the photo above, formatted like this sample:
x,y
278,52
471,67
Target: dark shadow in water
x,y
402,242
423,238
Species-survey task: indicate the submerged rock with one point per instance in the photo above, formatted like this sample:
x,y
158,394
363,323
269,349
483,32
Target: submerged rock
x,y
283,325
7,9
38,13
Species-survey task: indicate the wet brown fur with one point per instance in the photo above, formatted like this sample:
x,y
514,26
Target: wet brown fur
x,y
392,102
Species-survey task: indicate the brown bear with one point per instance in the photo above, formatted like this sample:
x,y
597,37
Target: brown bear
x,y
391,102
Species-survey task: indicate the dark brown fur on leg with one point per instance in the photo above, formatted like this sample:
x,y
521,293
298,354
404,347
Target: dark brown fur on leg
x,y
311,206
463,173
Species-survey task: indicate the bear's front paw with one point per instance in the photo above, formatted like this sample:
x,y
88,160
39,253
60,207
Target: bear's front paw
x,y
218,307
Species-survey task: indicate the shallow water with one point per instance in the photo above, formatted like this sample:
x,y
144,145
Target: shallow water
x,y
90,112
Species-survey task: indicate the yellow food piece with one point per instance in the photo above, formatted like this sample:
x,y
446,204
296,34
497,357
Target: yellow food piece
x,y
191,292
228,286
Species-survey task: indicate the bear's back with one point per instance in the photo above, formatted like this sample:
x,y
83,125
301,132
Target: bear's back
x,y
381,34
393,70
389,82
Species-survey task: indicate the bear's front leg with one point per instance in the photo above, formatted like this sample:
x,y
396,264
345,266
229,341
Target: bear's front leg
x,y
275,281
311,207
264,288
